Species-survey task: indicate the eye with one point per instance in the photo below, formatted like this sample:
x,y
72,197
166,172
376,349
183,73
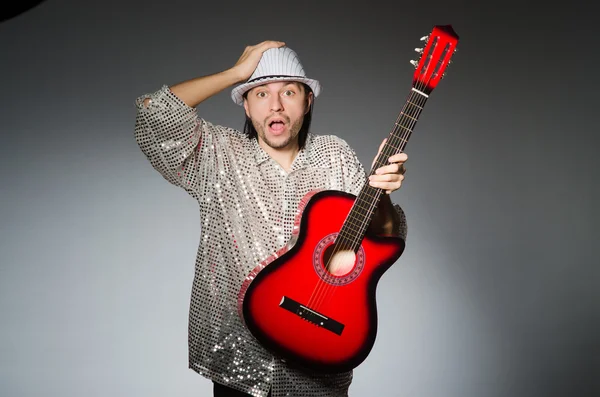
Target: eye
x,y
261,94
288,93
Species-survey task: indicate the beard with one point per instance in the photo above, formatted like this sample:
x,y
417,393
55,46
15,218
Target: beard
x,y
292,133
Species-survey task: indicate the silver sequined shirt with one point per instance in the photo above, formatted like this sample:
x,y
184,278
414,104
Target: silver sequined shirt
x,y
247,206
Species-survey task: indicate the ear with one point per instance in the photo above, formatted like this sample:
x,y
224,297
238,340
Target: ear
x,y
309,100
246,107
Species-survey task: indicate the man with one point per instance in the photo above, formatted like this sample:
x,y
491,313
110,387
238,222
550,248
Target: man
x,y
248,187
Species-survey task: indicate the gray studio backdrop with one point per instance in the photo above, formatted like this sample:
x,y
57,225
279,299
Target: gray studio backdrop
x,y
497,291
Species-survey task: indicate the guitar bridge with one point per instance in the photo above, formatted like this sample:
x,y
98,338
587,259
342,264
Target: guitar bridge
x,y
311,316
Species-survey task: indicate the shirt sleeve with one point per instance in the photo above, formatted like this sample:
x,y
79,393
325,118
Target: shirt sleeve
x,y
355,178
168,132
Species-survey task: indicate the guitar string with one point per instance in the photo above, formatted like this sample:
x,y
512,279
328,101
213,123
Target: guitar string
x,y
404,137
322,289
322,286
421,99
393,141
325,290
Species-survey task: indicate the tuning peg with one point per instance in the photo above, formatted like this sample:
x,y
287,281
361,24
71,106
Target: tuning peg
x,y
424,38
414,63
419,50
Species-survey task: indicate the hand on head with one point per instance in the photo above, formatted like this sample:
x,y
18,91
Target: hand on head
x,y
250,58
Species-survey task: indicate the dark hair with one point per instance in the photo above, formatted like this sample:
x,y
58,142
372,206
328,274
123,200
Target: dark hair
x,y
250,131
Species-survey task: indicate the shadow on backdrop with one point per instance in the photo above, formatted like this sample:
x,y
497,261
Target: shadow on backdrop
x,y
15,8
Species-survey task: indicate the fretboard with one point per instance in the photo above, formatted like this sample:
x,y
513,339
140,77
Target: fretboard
x,y
365,206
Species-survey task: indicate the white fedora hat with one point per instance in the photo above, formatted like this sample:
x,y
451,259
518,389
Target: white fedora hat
x,y
276,64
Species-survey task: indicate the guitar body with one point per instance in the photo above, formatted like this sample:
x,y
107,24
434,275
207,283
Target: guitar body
x,y
287,297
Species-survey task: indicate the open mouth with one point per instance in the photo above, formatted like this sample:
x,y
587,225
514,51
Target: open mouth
x,y
277,125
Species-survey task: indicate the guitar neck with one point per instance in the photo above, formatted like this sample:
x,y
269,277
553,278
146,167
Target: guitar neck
x,y
403,128
366,203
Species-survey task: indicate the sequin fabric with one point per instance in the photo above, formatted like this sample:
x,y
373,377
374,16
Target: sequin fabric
x,y
247,205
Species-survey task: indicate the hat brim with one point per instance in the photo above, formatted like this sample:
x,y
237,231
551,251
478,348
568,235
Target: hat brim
x,y
237,94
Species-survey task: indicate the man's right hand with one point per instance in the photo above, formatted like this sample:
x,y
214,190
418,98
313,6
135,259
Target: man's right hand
x,y
250,58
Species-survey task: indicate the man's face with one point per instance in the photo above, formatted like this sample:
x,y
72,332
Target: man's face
x,y
277,111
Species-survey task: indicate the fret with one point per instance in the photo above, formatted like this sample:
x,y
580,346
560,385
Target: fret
x,y
396,148
402,139
356,228
356,232
368,207
415,107
358,211
356,224
361,210
367,198
358,220
413,113
406,115
401,126
414,104
367,203
348,233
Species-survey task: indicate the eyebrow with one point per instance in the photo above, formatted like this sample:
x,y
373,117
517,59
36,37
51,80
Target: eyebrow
x,y
294,83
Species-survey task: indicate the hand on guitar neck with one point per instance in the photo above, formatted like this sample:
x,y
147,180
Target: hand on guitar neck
x,y
388,177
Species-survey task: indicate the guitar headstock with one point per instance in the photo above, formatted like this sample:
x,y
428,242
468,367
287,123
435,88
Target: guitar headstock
x,y
435,57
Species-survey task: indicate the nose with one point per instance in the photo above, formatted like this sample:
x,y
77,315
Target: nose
x,y
275,104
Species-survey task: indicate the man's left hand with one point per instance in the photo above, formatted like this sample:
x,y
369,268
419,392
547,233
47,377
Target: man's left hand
x,y
389,177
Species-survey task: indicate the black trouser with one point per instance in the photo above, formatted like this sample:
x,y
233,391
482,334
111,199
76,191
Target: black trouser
x,y
220,390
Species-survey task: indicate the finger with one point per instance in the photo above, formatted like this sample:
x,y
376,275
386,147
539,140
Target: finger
x,y
398,158
386,178
270,44
389,169
388,186
378,151
395,168
381,145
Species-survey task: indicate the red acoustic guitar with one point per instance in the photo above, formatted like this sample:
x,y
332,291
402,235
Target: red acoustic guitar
x,y
313,302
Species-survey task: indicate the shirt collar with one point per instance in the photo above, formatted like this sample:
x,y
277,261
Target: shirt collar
x,y
302,159
259,153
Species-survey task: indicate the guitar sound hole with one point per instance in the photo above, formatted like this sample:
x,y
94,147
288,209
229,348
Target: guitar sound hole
x,y
338,261
344,266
